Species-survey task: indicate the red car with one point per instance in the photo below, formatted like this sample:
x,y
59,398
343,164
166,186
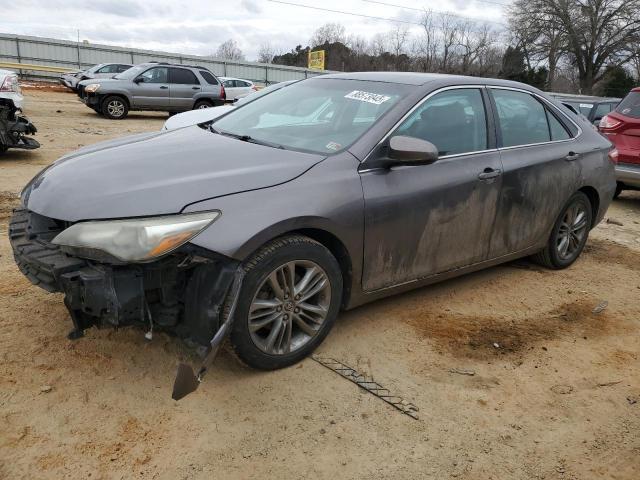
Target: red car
x,y
622,128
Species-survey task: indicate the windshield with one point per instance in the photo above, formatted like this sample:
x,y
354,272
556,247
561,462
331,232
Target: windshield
x,y
132,72
316,115
630,106
261,93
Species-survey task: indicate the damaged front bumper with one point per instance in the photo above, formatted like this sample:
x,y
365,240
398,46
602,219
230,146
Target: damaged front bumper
x,y
183,293
14,128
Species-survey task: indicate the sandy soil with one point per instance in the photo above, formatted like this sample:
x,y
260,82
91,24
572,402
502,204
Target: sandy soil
x,y
555,392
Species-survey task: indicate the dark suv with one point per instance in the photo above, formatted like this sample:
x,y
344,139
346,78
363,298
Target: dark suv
x,y
153,86
593,108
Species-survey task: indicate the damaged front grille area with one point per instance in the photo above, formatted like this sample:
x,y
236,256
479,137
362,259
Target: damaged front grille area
x,y
182,293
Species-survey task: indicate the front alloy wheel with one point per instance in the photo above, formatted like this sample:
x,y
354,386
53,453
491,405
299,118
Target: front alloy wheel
x,y
115,108
289,308
288,303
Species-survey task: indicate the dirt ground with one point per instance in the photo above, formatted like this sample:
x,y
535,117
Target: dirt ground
x,y
555,390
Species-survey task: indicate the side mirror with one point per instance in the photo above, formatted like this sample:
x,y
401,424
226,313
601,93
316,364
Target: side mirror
x,y
412,151
138,80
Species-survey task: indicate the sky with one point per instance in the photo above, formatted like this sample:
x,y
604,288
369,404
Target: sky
x,y
199,26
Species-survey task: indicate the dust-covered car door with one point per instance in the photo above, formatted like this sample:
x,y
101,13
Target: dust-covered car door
x,y
150,89
183,86
542,162
426,219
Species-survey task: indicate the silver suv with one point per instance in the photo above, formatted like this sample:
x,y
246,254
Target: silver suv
x,y
153,86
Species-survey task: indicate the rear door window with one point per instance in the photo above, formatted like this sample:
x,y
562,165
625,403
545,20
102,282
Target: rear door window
x,y
630,106
557,130
182,76
208,77
522,118
454,121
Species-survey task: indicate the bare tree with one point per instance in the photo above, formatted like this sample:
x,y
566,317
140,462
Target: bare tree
x,y
449,30
266,53
379,44
426,47
229,50
594,33
328,33
473,44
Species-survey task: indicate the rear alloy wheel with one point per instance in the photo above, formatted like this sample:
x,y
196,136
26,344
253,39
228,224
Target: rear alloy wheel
x,y
115,108
289,301
569,234
202,104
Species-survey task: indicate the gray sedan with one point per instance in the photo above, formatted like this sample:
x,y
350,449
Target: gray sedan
x,y
328,194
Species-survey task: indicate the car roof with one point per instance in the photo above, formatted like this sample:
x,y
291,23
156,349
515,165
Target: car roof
x,y
415,78
235,78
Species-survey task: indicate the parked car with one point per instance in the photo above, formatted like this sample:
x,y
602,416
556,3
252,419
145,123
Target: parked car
x,y
622,127
594,108
102,70
195,117
14,126
153,86
237,87
264,233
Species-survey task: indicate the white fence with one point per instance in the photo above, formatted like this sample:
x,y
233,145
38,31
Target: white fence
x,y
49,52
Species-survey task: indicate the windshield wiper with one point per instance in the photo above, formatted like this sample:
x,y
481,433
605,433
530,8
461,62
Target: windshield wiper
x,y
245,138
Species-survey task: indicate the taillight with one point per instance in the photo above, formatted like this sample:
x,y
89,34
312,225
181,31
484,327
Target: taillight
x,y
613,155
608,122
223,94
10,84
255,87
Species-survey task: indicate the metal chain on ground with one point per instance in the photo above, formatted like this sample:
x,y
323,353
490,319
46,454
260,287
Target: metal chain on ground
x,y
368,384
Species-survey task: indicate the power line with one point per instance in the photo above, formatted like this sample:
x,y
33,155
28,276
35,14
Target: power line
x,y
422,10
345,13
490,2
386,19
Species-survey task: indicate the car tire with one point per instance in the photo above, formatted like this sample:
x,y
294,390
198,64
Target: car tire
x,y
202,104
619,188
115,107
569,235
278,336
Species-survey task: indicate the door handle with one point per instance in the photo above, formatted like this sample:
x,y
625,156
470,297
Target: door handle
x,y
163,87
195,88
489,173
572,156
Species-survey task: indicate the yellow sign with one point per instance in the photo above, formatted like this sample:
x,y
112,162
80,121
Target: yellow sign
x,y
316,60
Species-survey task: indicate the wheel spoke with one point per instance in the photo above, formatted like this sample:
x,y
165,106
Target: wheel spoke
x,y
273,336
314,288
315,309
305,280
276,286
289,272
255,325
304,326
563,246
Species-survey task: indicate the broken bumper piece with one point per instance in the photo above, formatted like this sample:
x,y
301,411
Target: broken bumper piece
x,y
182,294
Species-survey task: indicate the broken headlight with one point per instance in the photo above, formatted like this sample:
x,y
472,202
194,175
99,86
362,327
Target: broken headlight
x,y
138,239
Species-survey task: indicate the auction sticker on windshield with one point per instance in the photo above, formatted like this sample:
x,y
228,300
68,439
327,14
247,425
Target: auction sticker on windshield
x,y
374,98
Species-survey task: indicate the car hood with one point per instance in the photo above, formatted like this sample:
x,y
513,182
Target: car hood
x,y
101,81
193,117
157,173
